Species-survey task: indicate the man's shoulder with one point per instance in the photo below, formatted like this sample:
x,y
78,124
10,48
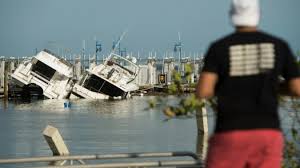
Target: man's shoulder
x,y
223,39
272,37
257,36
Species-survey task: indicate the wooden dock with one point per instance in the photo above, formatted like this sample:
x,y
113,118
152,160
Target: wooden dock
x,y
1,92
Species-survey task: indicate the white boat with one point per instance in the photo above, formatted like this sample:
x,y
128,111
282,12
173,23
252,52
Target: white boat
x,y
112,79
50,72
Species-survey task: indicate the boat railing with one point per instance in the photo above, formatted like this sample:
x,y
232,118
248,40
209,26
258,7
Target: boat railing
x,y
124,63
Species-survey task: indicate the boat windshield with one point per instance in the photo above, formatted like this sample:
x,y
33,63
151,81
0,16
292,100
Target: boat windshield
x,y
129,66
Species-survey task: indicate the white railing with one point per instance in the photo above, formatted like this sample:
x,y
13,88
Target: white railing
x,y
195,162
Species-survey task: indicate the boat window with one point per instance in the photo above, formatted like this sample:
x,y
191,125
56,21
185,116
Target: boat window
x,y
93,83
43,70
96,84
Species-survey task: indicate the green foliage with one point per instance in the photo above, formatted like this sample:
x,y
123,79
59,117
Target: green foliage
x,y
292,136
188,72
186,107
291,151
172,89
188,104
298,63
175,87
177,81
152,103
295,134
290,161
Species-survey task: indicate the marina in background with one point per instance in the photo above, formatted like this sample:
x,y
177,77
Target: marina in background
x,y
153,71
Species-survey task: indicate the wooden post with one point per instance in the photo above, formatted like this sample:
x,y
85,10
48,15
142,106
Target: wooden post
x,y
2,70
78,68
92,62
5,81
2,78
56,143
202,136
12,66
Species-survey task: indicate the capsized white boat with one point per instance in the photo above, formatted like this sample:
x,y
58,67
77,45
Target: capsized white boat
x,y
112,79
50,72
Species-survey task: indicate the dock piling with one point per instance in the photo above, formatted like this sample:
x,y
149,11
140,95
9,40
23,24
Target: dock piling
x,y
202,136
5,87
78,70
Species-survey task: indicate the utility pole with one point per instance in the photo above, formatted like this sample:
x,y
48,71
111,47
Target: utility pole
x,y
123,52
178,48
83,52
98,49
117,44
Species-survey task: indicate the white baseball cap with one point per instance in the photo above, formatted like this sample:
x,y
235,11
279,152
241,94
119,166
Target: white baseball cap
x,y
245,12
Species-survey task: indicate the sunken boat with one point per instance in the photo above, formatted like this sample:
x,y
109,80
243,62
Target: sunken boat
x,y
112,79
52,74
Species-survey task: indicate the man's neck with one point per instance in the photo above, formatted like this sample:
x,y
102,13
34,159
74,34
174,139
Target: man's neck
x,y
246,29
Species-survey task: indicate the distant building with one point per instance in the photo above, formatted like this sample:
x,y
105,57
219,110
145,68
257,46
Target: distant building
x,y
152,77
142,77
169,67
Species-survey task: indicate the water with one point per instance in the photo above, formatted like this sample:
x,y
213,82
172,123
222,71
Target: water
x,y
98,127
92,127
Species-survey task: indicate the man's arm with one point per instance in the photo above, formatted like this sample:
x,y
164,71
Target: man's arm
x,y
206,85
291,71
294,86
290,88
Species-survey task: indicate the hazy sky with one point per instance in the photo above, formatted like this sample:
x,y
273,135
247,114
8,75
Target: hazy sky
x,y
152,25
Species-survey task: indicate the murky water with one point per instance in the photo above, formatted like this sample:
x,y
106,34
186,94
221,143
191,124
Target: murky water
x,y
97,127
92,126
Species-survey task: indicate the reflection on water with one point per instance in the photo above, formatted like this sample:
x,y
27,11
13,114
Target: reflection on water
x,y
92,126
